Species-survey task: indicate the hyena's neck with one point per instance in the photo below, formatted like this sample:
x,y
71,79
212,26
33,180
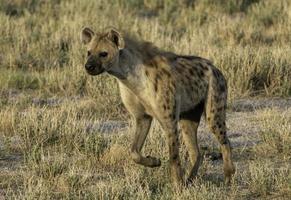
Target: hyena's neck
x,y
133,71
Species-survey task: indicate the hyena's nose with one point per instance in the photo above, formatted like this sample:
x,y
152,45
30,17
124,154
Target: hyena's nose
x,y
89,66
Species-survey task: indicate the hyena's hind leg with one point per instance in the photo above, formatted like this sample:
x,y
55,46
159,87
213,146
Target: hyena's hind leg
x,y
217,125
215,111
189,131
189,123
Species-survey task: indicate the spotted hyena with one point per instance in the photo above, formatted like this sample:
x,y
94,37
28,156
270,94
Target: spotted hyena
x,y
174,89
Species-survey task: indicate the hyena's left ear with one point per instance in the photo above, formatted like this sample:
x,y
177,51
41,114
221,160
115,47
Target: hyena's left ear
x,y
116,38
86,35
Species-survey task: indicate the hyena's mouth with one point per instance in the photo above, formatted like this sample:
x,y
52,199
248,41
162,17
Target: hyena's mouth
x,y
95,70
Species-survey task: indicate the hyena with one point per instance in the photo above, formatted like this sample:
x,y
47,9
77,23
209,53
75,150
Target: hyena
x,y
174,89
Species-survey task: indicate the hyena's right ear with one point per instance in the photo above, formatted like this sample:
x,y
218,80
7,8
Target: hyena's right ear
x,y
86,35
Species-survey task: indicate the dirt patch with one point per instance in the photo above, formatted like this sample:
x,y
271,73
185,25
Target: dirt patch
x,y
250,105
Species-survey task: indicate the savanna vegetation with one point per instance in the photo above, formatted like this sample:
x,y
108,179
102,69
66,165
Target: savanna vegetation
x,y
66,135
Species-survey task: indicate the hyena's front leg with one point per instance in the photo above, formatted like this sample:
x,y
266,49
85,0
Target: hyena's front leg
x,y
171,131
142,124
169,122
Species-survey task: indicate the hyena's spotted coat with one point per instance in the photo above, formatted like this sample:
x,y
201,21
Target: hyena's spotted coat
x,y
173,89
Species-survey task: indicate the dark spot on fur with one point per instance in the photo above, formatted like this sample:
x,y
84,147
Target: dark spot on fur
x,y
180,69
156,87
157,78
175,156
164,71
193,89
224,140
165,107
191,72
203,67
188,77
174,86
200,73
146,116
147,73
195,113
167,98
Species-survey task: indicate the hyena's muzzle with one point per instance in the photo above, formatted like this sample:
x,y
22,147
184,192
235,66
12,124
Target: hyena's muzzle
x,y
93,66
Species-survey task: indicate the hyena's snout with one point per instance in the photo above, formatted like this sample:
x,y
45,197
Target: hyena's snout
x,y
93,67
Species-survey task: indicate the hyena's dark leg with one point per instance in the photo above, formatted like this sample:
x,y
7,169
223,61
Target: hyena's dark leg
x,y
142,124
171,130
169,122
215,117
219,130
189,131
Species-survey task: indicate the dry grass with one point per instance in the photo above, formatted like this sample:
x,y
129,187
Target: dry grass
x,y
51,151
51,142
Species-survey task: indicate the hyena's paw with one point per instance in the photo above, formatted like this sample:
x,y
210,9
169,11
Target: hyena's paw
x,y
229,170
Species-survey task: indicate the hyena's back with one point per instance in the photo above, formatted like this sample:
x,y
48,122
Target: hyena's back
x,y
201,84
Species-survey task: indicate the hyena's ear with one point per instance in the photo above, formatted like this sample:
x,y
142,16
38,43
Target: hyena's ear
x,y
116,38
86,35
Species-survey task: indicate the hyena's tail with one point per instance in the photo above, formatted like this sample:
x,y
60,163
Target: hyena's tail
x,y
215,104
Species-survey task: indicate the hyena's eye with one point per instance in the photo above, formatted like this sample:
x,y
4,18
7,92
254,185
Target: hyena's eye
x,y
89,53
103,54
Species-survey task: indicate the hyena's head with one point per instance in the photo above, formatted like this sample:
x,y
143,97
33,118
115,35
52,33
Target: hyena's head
x,y
102,50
